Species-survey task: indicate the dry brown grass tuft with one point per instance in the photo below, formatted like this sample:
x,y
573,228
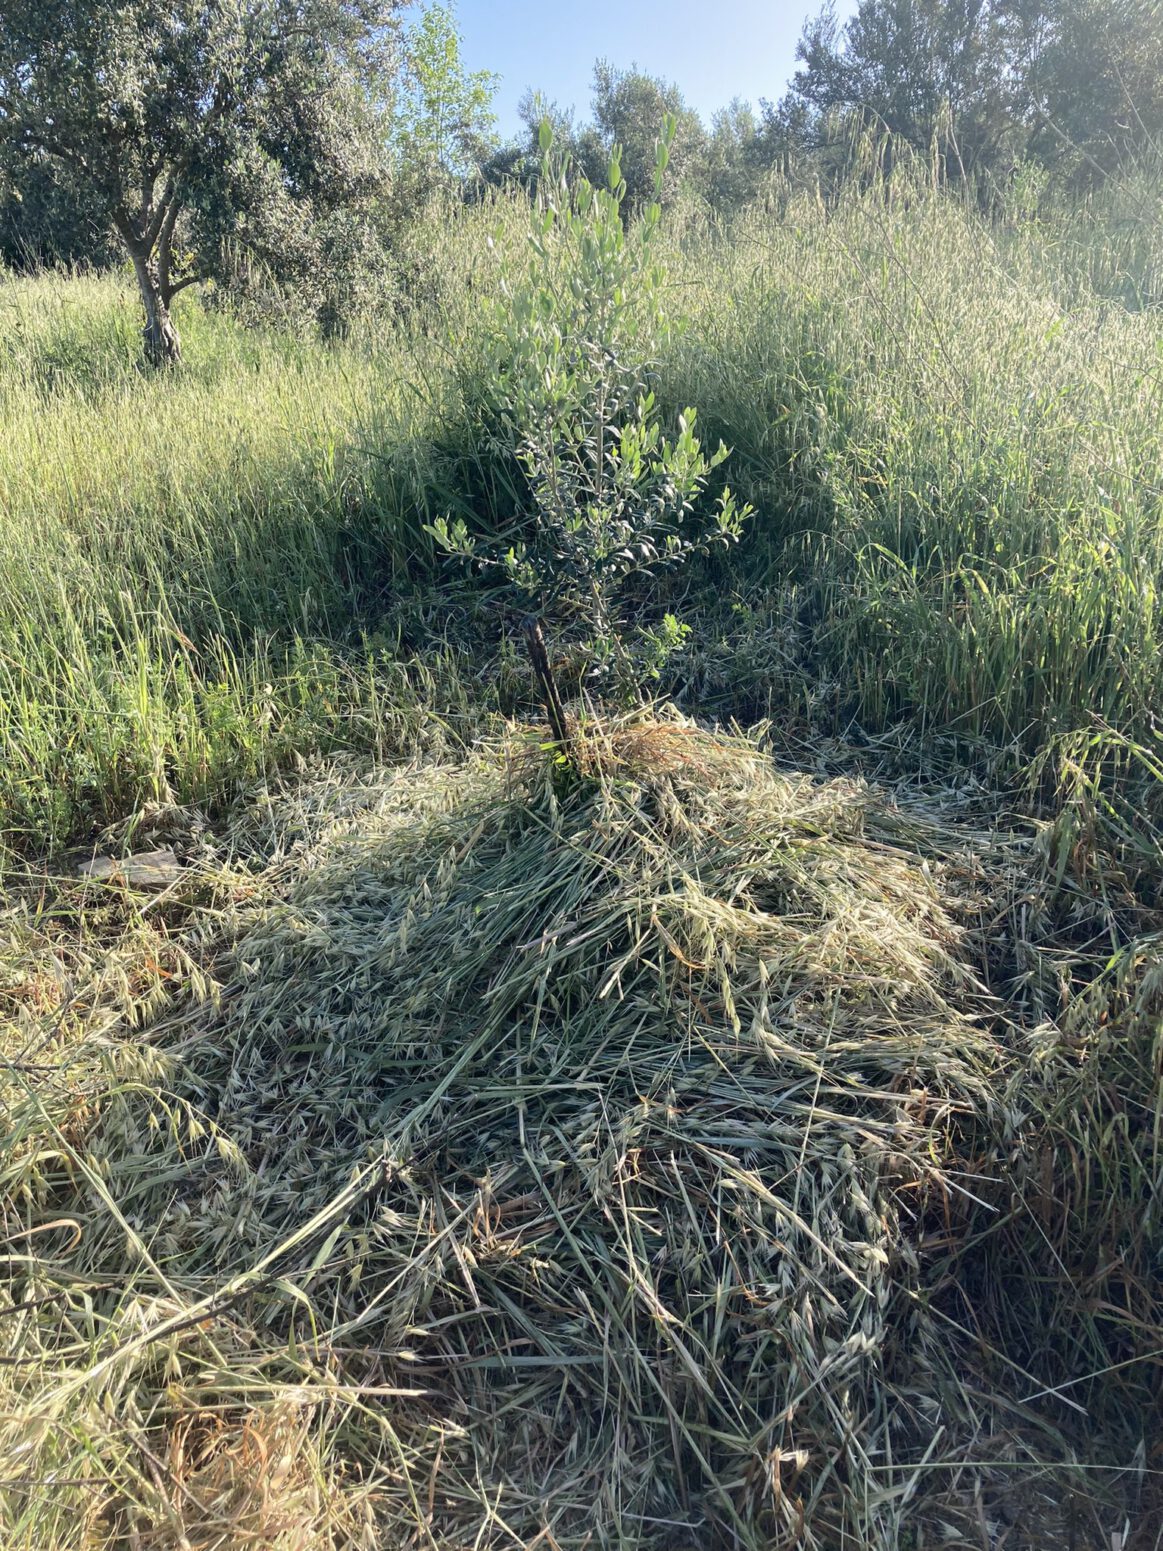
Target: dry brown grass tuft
x,y
240,1482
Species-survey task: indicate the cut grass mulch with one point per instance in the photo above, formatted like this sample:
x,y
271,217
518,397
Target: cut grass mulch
x,y
501,1154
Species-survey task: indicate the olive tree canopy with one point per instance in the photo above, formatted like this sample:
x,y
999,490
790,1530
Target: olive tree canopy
x,y
206,129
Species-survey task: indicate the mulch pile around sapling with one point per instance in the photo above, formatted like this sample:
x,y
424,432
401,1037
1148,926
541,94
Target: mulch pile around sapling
x,y
587,1152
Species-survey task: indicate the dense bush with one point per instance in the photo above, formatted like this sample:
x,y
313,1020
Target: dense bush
x,y
570,350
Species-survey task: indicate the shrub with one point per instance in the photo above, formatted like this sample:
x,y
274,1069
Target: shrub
x,y
610,495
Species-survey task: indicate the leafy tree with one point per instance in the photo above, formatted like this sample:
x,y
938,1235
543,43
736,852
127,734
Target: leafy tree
x,y
444,116
49,216
736,157
1095,83
628,107
1073,84
578,147
920,67
205,132
611,495
787,135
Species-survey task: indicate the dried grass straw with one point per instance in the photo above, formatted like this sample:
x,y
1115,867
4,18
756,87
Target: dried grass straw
x,y
515,1161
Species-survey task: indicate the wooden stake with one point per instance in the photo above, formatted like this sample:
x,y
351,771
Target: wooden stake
x,y
535,640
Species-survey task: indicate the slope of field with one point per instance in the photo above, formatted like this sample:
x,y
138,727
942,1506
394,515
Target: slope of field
x,y
672,1155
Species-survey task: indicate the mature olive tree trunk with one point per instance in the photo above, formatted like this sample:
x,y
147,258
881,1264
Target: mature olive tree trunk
x,y
162,345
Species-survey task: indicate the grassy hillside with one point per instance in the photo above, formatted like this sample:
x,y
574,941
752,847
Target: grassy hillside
x,y
954,446
685,1151
183,561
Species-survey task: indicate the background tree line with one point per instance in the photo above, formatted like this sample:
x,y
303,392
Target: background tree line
x,y
278,149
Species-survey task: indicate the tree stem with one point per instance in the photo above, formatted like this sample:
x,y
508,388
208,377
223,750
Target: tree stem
x,y
162,345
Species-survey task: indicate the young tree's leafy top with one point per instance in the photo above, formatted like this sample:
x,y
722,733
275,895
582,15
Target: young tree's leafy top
x,y
628,107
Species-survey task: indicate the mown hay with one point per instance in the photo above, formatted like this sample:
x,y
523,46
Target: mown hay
x,y
590,1150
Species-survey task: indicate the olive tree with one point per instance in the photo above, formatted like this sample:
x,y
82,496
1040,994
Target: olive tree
x,y
921,68
205,130
611,497
628,107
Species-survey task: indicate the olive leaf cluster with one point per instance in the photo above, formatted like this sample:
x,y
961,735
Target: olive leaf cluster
x,y
611,492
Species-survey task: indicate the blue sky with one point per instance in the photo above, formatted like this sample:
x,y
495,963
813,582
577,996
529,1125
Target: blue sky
x,y
713,49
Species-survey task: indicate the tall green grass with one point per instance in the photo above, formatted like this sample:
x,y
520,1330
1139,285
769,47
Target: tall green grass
x,y
952,433
960,465
191,565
